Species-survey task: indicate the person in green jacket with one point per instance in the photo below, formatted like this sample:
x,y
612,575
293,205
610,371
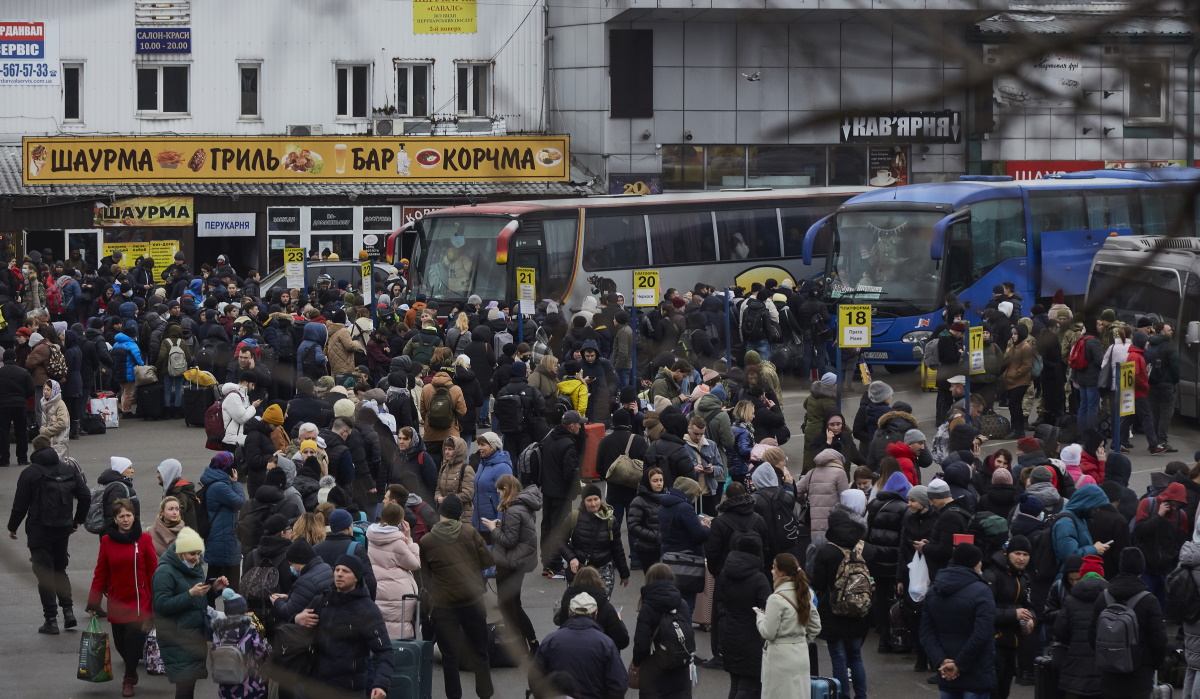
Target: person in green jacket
x,y
180,607
819,403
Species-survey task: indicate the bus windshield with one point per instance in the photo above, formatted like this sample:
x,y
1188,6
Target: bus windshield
x,y
456,258
883,258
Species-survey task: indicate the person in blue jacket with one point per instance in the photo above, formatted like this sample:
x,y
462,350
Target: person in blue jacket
x,y
314,337
1070,532
957,627
126,348
314,579
493,463
681,529
224,498
71,294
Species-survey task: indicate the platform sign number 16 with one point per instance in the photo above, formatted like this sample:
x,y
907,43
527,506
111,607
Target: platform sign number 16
x,y
855,323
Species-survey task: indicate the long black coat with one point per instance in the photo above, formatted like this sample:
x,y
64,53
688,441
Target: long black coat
x,y
1072,626
1153,636
958,623
658,598
885,520
612,447
350,630
642,516
735,515
916,527
562,456
257,451
740,588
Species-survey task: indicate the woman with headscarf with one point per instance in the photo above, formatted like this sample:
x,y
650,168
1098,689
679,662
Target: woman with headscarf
x,y
1093,456
167,524
644,536
56,418
834,436
1018,377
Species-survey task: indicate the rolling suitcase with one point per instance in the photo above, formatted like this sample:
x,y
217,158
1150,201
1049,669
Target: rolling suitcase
x,y
195,401
594,432
702,615
150,401
501,644
412,664
825,688
1045,678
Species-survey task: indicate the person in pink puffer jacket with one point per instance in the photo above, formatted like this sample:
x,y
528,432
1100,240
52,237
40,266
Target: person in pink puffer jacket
x,y
394,556
823,486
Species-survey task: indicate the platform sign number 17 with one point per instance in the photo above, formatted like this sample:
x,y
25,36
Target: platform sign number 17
x,y
855,323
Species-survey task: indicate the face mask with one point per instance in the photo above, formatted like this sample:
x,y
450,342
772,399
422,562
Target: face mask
x,y
189,565
295,573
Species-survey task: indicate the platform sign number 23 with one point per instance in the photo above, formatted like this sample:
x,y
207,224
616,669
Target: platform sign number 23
x,y
855,323
646,288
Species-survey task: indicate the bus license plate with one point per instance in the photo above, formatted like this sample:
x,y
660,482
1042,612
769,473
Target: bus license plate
x,y
875,355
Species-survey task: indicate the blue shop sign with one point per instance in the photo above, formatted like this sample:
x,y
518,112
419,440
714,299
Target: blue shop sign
x,y
164,40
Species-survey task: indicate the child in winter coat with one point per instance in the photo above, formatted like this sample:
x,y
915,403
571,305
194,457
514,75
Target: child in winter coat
x,y
241,628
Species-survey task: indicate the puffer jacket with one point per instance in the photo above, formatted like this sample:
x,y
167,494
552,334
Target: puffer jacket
x,y
734,515
740,588
679,525
487,500
1072,625
340,350
394,557
56,424
885,520
823,487
350,629
456,478
314,335
642,516
515,541
891,429
224,499
1152,635
1189,557
1071,536
133,358
595,541
236,409
458,408
315,580
903,453
960,612
181,616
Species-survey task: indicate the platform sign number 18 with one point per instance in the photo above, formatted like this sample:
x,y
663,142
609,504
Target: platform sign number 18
x,y
855,323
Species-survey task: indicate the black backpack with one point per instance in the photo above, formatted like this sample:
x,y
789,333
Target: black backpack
x,y
287,345
783,529
1043,564
203,522
674,642
510,412
1183,597
754,323
309,365
56,497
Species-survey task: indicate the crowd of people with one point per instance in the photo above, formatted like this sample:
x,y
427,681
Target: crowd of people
x,y
377,463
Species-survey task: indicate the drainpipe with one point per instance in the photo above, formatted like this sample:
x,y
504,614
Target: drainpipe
x,y
1191,108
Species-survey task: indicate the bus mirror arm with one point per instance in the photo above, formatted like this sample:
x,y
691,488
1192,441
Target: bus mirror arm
x,y
937,243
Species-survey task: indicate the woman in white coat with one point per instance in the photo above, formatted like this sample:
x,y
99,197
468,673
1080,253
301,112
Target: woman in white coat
x,y
788,624
56,419
236,409
394,556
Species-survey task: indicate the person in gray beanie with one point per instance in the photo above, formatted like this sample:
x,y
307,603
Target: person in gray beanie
x,y
917,525
954,516
874,404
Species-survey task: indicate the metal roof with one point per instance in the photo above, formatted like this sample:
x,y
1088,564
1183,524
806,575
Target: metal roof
x,y
11,185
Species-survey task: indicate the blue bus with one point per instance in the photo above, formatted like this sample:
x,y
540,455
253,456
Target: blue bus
x,y
905,250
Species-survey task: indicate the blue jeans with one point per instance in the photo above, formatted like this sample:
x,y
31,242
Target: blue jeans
x,y
1157,586
1089,405
847,653
813,356
762,347
963,695
624,378
172,391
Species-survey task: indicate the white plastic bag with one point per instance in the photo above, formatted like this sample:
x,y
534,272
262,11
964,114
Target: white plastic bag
x,y
918,578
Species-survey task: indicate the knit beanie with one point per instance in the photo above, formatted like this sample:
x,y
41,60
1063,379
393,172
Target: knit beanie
x,y
938,488
1002,476
878,391
1041,474
1030,505
913,436
920,494
343,408
689,487
1093,564
119,463
273,415
1018,543
301,552
188,540
1071,454
967,555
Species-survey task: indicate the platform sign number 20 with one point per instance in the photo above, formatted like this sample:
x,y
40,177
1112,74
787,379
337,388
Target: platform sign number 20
x,y
855,322
646,288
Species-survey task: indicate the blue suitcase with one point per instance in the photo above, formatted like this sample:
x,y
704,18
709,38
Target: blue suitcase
x,y
412,671
825,688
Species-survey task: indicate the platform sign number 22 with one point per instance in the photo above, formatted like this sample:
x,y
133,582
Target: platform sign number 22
x,y
855,323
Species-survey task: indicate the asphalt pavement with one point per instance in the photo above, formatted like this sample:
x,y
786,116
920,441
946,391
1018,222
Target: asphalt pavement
x,y
35,665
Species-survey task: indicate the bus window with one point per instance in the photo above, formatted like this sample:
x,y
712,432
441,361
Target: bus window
x,y
748,235
1150,290
796,223
997,233
1057,211
685,237
1161,209
560,255
1110,209
614,242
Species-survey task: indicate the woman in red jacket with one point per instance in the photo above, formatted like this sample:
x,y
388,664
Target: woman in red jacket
x,y
124,571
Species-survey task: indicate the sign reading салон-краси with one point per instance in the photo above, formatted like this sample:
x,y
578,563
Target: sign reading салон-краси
x,y
902,128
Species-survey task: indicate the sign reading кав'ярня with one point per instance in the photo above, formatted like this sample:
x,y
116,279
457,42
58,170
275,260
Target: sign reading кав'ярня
x,y
286,159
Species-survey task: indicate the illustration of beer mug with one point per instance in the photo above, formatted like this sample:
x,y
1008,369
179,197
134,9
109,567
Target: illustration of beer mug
x,y
339,158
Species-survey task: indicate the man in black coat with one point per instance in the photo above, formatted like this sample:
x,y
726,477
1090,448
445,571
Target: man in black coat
x,y
16,388
954,516
736,519
306,407
1152,633
957,626
1108,524
1006,575
561,459
518,409
350,629
949,351
581,649
340,542
43,500
613,446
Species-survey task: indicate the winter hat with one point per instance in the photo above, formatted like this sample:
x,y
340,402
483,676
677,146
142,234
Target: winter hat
x,y
474,300
324,384
583,604
354,564
920,494
170,470
1112,490
1071,454
854,500
275,524
223,461
998,289
1028,444
188,540
235,604
1095,564
829,379
698,393
340,520
913,436
678,302
967,555
1140,339
752,358
495,314
119,463
1030,505
958,326
878,392
938,488
34,339
592,489
493,440
1018,543
343,408
276,477
273,415
1002,476
621,418
301,552
26,332
308,444
897,483
629,395
829,456
1132,561
518,370
451,508
901,406
1108,315
689,487
674,422
1041,474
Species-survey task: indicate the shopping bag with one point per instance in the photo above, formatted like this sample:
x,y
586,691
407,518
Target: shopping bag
x,y
95,663
918,578
145,375
152,655
106,408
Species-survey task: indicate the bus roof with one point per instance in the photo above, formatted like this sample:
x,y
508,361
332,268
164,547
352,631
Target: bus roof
x,y
517,208
961,192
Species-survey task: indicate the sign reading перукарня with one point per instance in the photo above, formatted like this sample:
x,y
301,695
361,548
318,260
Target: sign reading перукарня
x,y
903,128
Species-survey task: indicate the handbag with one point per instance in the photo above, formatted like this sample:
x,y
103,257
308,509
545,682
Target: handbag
x,y
688,569
994,426
145,375
625,470
635,676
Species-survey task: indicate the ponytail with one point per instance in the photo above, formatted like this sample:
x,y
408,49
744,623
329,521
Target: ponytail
x,y
787,564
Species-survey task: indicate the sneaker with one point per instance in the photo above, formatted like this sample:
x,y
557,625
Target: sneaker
x,y
1155,451
1171,449
69,621
559,575
127,687
1124,449
50,627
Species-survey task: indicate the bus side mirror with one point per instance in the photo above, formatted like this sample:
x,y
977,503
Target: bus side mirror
x,y
1193,332
937,242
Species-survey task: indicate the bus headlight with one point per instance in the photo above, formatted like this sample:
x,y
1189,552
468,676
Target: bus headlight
x,y
916,337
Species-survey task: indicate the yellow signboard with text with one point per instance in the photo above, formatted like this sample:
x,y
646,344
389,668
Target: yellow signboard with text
x,y
139,159
145,211
443,16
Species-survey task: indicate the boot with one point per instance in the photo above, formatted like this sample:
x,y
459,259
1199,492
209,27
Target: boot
x,y
127,687
50,627
74,429
69,621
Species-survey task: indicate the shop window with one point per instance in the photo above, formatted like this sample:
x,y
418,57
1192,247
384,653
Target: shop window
x,y
162,90
72,92
412,89
786,166
614,242
681,238
726,167
848,166
248,75
353,91
1147,91
473,89
631,73
752,234
683,167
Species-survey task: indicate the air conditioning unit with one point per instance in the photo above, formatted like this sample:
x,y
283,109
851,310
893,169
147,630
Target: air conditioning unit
x,y
304,129
386,127
474,125
419,126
